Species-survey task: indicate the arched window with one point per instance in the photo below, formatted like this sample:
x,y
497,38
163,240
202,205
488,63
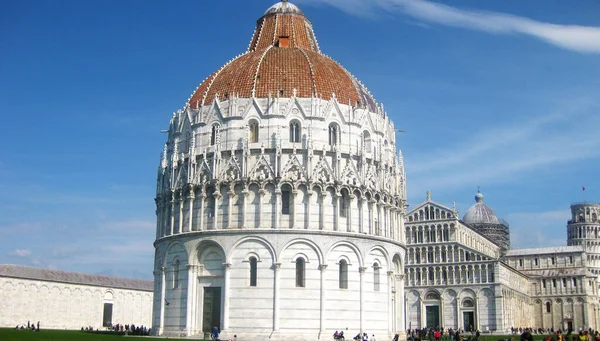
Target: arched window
x,y
334,131
343,274
285,199
366,141
253,271
548,307
176,274
294,131
376,277
300,268
213,135
343,203
253,126
594,217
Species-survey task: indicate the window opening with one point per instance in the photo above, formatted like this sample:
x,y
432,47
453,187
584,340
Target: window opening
x,y
213,135
376,277
176,274
253,131
295,131
343,274
333,134
253,271
285,202
300,265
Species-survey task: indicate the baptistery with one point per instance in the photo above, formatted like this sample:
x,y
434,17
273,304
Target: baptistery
x,y
280,199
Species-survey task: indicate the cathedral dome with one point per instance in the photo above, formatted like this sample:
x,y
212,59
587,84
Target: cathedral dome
x,y
480,213
283,60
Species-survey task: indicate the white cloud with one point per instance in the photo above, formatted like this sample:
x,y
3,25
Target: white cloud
x,y
504,153
573,37
22,253
536,229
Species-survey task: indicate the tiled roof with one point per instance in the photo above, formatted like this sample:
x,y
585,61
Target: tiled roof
x,y
283,56
544,250
561,272
51,275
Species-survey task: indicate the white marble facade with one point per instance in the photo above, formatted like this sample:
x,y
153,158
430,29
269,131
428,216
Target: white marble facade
x,y
457,277
280,215
69,300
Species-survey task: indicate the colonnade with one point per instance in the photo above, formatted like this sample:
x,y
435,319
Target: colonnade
x,y
193,209
429,233
440,254
447,275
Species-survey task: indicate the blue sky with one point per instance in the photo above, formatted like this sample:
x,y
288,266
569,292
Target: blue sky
x,y
499,94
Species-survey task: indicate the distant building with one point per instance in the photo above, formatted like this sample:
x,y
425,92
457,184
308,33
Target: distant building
x,y
463,274
71,300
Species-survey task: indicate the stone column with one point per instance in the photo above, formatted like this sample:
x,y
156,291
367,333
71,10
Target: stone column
x,y
276,268
163,299
244,197
191,299
476,324
166,226
349,213
575,319
458,317
191,196
361,214
261,194
322,268
336,211
499,311
226,289
277,210
400,318
217,196
180,228
293,207
562,315
322,213
230,196
361,271
372,217
201,209
308,218
172,224
159,228
390,308
586,321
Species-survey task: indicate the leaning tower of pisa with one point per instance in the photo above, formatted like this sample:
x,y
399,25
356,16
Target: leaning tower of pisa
x,y
584,229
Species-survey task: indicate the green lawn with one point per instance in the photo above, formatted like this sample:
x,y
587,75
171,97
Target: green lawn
x,y
66,335
7,334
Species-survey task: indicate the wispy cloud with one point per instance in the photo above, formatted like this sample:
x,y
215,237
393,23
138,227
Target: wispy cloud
x,y
21,253
573,37
117,247
503,153
536,229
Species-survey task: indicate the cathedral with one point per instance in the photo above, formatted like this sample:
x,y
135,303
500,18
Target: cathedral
x,y
461,273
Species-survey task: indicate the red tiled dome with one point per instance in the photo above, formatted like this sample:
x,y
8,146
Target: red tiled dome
x,y
283,56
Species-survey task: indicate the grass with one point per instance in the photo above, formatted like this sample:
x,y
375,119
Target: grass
x,y
9,334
